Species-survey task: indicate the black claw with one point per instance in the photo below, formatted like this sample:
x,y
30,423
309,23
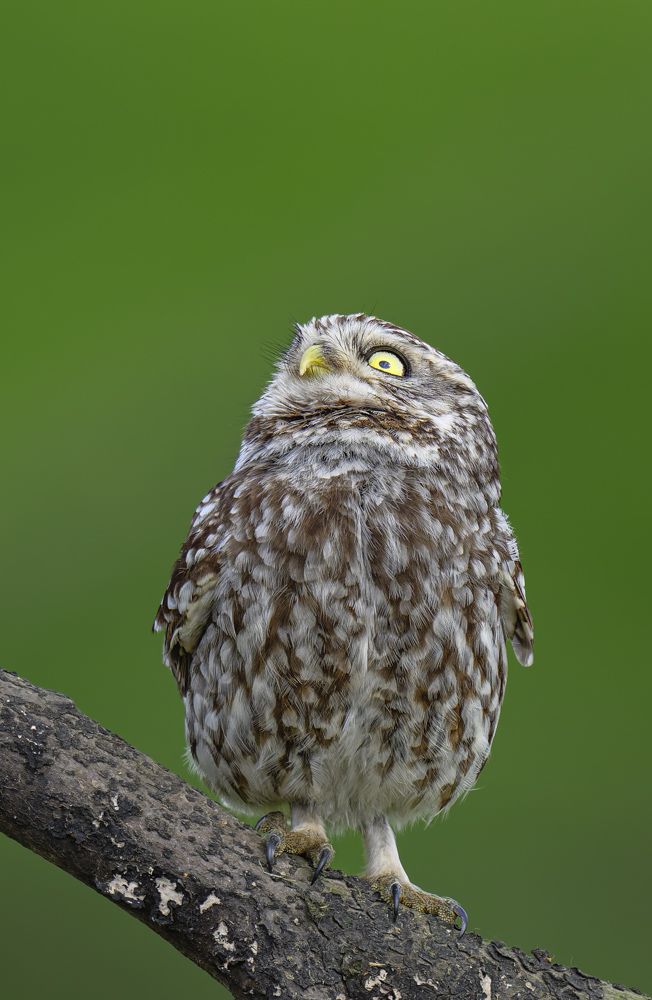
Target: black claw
x,y
257,826
273,842
461,913
396,896
324,858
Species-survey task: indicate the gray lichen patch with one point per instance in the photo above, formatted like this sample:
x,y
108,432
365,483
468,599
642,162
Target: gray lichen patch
x,y
211,900
120,888
168,894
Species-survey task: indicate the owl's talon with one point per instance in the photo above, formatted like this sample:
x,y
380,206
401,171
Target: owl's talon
x,y
325,859
461,913
396,898
274,825
274,840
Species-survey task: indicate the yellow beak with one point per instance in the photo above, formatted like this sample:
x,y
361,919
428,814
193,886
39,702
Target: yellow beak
x,y
312,360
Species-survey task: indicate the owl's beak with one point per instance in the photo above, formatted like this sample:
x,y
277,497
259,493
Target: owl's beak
x,y
311,361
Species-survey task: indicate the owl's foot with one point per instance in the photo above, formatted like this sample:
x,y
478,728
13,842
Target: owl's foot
x,y
387,875
395,891
306,837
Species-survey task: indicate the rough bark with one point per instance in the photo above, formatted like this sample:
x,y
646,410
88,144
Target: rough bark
x,y
88,802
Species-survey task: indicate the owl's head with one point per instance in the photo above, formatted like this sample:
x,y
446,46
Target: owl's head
x,y
363,363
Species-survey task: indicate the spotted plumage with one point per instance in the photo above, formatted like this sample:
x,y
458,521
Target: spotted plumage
x,y
337,619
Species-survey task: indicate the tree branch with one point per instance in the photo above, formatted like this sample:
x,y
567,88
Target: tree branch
x,y
88,802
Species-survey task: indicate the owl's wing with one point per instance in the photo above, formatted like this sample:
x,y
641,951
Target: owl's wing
x,y
186,606
514,612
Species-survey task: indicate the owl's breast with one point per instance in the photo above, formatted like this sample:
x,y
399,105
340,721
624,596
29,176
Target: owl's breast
x,y
350,624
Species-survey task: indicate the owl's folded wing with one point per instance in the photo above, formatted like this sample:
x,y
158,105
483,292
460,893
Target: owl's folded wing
x,y
186,606
515,614
184,613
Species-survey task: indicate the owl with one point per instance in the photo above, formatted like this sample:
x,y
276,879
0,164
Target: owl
x,y
337,619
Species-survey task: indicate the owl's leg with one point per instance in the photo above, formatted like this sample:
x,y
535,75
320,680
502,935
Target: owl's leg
x,y
386,873
306,836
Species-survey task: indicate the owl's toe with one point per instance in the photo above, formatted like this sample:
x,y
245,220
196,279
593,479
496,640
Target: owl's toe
x,y
271,821
396,891
275,826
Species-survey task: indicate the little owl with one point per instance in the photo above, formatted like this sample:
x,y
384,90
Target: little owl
x,y
336,621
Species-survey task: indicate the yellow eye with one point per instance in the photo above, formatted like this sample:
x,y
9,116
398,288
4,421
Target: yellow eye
x,y
387,361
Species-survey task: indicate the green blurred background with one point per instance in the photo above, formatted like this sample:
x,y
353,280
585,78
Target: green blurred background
x,y
181,181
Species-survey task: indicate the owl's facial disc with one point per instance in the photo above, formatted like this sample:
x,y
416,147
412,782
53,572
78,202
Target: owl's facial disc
x,y
348,363
312,361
